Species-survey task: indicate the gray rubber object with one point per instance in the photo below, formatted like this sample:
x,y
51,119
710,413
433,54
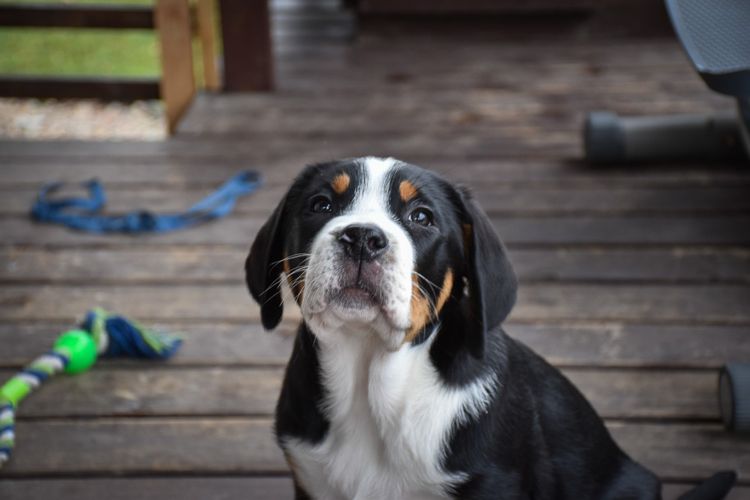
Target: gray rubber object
x,y
734,396
609,138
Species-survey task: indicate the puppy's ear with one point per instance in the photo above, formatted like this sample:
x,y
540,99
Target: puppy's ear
x,y
263,268
492,283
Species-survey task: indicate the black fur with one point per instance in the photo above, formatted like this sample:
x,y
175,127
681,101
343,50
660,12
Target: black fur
x,y
540,438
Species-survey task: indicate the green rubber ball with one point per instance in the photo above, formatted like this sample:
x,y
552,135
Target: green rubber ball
x,y
80,349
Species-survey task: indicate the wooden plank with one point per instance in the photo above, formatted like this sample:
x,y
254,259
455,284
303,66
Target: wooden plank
x,y
122,200
499,199
176,163
159,488
427,7
205,344
665,304
224,265
634,345
148,390
205,10
579,345
655,230
173,22
628,303
649,394
76,16
78,87
480,75
479,110
602,265
679,452
548,231
200,488
164,445
211,343
312,25
674,491
246,32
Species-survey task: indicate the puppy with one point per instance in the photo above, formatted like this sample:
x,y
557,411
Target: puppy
x,y
402,384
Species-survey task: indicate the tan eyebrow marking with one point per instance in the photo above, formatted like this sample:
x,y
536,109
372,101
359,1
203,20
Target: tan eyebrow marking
x,y
407,190
340,183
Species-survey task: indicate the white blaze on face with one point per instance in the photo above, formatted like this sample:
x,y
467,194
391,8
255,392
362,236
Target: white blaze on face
x,y
327,318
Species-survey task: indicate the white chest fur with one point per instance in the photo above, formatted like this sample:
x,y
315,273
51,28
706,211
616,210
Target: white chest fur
x,y
390,416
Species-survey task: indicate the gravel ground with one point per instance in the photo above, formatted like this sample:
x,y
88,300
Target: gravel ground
x,y
89,120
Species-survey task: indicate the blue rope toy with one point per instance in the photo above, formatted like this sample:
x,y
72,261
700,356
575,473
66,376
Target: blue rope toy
x,y
84,214
75,351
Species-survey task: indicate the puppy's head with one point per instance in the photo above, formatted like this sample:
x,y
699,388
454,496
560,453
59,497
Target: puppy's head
x,y
375,246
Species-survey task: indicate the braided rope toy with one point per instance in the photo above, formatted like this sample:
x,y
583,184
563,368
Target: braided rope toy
x,y
75,351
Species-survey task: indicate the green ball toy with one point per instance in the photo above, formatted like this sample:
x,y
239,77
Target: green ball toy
x,y
80,349
76,351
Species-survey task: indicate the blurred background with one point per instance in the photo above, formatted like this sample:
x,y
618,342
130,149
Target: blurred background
x,y
630,238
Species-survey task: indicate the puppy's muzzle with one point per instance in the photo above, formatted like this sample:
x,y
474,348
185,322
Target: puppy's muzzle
x,y
363,242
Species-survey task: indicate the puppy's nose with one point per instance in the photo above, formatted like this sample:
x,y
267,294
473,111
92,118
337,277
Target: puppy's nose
x,y
363,241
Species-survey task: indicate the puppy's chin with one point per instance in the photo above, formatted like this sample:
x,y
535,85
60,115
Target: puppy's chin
x,y
354,315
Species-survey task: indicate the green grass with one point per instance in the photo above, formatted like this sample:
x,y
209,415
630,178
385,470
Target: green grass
x,y
43,51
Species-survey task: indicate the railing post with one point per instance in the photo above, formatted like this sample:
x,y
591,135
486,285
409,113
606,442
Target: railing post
x,y
246,31
206,17
173,24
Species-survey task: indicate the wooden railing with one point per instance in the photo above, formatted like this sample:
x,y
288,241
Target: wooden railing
x,y
246,31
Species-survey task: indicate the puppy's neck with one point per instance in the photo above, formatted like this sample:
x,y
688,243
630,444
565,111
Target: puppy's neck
x,y
363,375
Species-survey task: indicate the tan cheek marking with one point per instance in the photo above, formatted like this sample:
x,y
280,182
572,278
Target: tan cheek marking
x,y
420,311
420,305
445,292
340,183
407,190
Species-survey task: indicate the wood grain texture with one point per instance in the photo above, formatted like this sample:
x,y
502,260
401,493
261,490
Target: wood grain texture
x,y
702,304
163,445
200,488
246,35
158,488
212,343
521,230
183,265
677,452
206,21
180,163
143,390
499,199
588,344
173,23
634,280
244,445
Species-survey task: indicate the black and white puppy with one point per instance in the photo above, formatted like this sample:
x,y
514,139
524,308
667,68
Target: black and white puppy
x,y
402,383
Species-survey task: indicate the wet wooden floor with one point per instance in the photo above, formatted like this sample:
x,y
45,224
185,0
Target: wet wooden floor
x,y
634,280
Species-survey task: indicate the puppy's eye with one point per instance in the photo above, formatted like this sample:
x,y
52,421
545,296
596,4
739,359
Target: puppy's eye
x,y
321,205
421,216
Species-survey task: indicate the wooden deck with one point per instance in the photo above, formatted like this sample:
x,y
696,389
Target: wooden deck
x,y
634,280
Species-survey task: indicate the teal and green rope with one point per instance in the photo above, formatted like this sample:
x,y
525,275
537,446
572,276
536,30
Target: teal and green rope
x,y
75,351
